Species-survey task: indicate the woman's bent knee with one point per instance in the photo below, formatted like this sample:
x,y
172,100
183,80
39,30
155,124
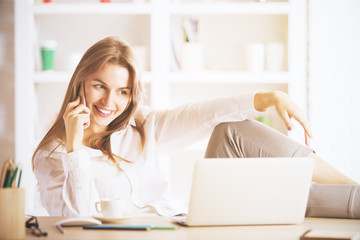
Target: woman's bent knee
x,y
249,138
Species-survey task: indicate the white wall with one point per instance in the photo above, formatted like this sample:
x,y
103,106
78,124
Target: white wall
x,y
334,82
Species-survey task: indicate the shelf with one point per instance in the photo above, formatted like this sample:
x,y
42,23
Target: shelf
x,y
181,77
91,8
230,8
176,8
49,77
231,77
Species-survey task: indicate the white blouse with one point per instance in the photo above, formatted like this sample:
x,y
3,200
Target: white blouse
x,y
71,183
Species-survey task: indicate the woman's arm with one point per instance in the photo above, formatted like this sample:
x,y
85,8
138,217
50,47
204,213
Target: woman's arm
x,y
180,127
285,107
66,183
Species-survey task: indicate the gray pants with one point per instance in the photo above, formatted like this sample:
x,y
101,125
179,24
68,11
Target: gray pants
x,y
250,138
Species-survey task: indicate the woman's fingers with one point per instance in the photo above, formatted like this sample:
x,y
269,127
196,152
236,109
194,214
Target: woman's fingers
x,y
307,139
81,108
86,123
72,105
287,120
306,125
301,118
80,119
288,109
76,107
307,132
85,120
76,119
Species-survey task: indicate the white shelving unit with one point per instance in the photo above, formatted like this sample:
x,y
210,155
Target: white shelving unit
x,y
78,24
225,7
97,8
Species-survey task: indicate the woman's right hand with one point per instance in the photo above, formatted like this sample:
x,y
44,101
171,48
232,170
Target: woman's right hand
x,y
285,107
76,119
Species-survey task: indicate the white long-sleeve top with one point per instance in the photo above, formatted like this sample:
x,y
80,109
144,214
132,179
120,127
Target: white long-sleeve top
x,y
71,183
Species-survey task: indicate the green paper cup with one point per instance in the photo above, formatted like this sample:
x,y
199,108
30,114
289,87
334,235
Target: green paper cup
x,y
48,55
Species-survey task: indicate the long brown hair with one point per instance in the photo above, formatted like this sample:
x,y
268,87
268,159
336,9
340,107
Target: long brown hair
x,y
109,50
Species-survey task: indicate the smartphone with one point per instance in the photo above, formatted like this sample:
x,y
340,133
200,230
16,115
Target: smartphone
x,y
327,235
82,98
82,94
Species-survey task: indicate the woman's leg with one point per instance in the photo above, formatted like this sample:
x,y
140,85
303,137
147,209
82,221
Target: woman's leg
x,y
250,138
324,173
334,200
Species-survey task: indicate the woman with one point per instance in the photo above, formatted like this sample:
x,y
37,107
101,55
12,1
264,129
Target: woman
x,y
105,145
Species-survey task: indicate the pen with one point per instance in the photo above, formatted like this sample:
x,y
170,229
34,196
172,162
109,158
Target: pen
x,y
163,228
119,227
60,228
130,227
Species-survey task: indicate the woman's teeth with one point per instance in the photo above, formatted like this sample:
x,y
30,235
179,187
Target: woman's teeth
x,y
103,111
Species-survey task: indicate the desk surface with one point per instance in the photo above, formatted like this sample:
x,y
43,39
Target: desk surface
x,y
269,232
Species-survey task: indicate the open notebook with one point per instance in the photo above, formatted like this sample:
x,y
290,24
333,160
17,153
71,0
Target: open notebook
x,y
251,191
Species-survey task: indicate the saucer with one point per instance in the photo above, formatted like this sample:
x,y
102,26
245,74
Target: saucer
x,y
110,220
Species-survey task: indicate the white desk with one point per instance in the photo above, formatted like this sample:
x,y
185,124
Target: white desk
x,y
278,232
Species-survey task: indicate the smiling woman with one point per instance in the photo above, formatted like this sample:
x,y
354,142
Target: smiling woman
x,y
105,79
105,144
107,94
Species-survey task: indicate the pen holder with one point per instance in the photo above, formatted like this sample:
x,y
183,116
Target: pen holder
x,y
12,218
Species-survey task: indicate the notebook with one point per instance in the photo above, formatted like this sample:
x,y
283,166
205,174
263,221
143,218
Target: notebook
x,y
250,191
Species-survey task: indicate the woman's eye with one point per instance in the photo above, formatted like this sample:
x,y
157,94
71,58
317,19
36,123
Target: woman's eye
x,y
99,86
123,92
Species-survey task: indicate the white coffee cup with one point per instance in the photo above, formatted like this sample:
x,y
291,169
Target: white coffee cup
x,y
255,56
275,53
111,208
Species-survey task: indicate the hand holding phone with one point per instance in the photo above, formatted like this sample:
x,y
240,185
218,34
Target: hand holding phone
x,y
76,119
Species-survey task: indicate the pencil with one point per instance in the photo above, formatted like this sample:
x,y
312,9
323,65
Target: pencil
x,y
9,175
19,180
4,173
12,181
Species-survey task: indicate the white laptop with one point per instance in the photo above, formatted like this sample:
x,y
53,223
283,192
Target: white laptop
x,y
250,191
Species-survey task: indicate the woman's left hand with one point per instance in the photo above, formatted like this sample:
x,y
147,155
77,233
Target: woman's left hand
x,y
285,107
